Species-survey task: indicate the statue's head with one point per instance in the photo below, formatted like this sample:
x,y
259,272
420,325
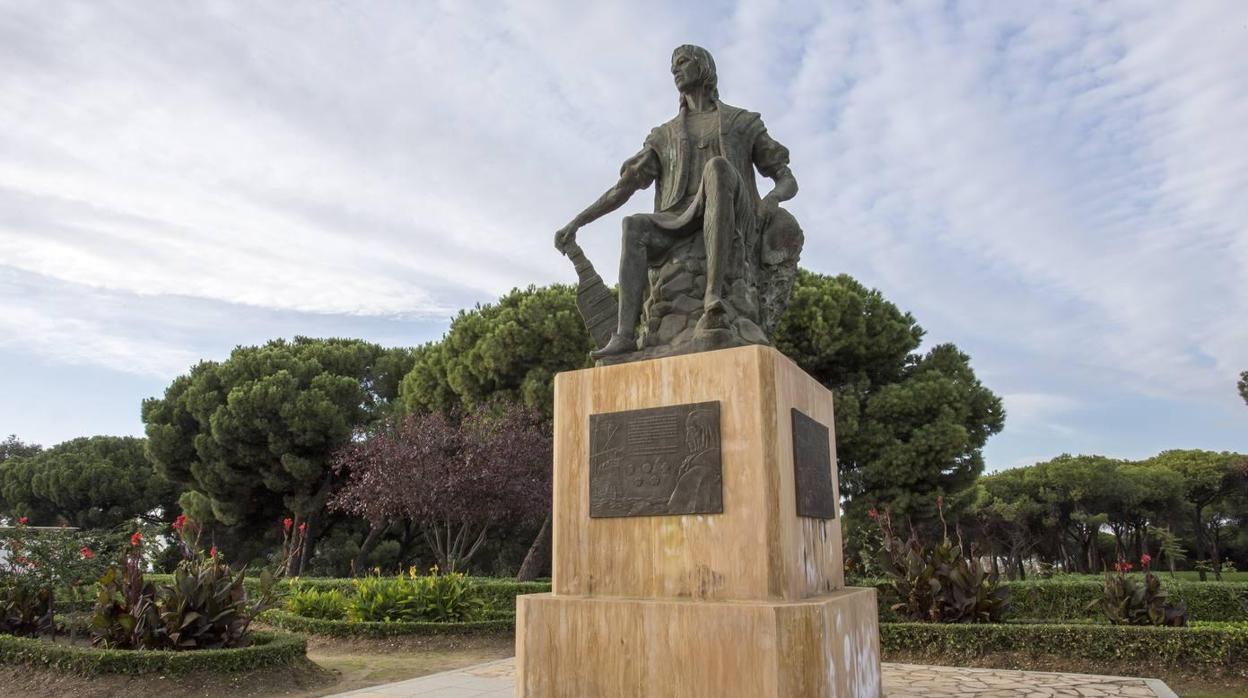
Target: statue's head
x,y
693,68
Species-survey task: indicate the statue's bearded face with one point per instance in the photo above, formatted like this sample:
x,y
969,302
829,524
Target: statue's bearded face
x,y
686,72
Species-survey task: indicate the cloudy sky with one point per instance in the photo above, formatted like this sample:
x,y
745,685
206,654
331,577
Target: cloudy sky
x,y
1059,188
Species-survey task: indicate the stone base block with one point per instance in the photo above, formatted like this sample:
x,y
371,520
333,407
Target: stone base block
x,y
606,647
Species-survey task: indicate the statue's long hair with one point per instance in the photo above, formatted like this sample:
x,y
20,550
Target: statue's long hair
x,y
706,66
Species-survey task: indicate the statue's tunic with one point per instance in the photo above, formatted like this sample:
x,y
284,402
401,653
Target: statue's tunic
x,y
669,156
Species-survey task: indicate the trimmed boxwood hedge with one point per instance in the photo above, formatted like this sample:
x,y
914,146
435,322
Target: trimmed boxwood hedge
x,y
346,628
1077,598
1218,645
499,594
267,649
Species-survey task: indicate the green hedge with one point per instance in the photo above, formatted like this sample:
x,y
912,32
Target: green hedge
x,y
266,650
345,628
499,594
1063,599
1202,646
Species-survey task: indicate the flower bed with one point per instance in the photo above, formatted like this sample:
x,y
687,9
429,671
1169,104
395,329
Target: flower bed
x,y
495,623
1222,645
267,649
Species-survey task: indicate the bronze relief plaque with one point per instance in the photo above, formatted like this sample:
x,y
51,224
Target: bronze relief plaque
x,y
663,461
812,463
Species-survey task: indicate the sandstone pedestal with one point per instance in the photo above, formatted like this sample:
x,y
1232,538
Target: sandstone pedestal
x,y
745,598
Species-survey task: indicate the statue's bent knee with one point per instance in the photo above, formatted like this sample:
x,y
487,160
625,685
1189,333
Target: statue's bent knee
x,y
718,167
634,229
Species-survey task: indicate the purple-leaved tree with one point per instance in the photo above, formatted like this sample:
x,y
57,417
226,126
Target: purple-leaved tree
x,y
455,479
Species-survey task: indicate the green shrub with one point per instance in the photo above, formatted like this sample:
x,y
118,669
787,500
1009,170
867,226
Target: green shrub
x,y
445,598
206,606
498,594
415,598
1077,597
384,599
1222,645
491,623
939,584
264,650
1127,602
310,602
61,559
25,609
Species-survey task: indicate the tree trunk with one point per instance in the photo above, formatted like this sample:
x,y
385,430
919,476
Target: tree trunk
x,y
375,532
1215,555
292,563
1200,542
1022,572
309,541
537,560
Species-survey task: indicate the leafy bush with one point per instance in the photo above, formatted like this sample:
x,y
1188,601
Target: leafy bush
x,y
492,623
310,602
939,585
205,607
1127,602
433,598
445,598
1223,645
61,559
266,649
1077,597
384,599
25,609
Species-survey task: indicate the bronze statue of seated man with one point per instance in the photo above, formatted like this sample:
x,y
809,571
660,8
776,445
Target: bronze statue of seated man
x,y
704,161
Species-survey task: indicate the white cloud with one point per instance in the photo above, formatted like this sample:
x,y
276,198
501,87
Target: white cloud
x,y
1058,185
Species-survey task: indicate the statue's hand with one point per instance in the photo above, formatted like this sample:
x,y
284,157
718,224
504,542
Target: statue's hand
x,y
766,209
565,237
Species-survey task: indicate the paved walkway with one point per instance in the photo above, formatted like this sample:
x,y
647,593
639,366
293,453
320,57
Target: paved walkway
x,y
497,680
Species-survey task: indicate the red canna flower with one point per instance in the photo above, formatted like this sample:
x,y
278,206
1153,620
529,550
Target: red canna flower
x,y
1146,559
22,520
303,527
873,514
287,523
86,553
180,522
212,552
136,539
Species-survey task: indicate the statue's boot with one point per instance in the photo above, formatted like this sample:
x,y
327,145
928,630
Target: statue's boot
x,y
619,344
713,316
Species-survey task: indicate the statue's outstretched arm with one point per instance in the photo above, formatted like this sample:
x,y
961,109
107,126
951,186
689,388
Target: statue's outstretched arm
x,y
612,199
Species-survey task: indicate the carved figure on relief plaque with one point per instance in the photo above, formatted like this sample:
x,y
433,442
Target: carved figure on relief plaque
x,y
663,461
